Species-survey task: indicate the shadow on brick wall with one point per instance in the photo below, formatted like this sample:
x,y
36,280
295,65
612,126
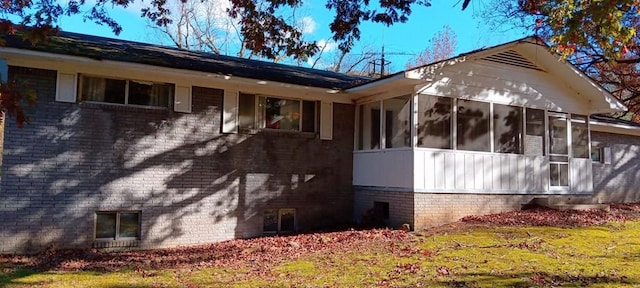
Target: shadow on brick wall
x,y
191,183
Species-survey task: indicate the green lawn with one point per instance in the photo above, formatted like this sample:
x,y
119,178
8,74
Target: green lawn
x,y
471,256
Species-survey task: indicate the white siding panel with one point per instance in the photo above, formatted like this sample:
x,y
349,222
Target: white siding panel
x,y
473,172
383,169
440,170
504,175
478,171
459,163
487,173
496,164
529,177
429,167
521,173
581,175
513,173
421,168
450,171
469,172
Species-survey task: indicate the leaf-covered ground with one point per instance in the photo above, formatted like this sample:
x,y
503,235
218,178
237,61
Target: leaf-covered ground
x,y
538,247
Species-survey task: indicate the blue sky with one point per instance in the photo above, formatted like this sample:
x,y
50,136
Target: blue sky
x,y
410,38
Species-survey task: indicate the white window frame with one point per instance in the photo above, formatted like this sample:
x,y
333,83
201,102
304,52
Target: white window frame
x,y
280,212
260,113
117,231
126,92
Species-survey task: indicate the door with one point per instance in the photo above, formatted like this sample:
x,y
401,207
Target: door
x,y
559,151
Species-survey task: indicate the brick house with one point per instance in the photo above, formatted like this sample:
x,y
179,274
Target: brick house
x,y
137,145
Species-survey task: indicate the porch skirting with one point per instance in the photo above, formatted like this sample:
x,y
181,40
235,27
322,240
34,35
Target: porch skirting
x,y
423,210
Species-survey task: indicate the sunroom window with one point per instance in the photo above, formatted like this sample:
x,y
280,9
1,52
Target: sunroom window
x,y
434,121
119,91
507,129
397,119
276,113
473,126
579,136
369,126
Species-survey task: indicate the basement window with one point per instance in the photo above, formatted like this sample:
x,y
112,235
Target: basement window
x,y
117,225
381,210
279,220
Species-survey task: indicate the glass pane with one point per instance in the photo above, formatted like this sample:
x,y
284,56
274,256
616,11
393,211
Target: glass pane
x,y
535,122
559,174
103,90
564,174
150,94
473,126
369,128
287,220
270,223
596,154
507,126
247,111
554,175
397,119
308,116
434,121
105,225
579,137
129,225
283,114
558,143
534,138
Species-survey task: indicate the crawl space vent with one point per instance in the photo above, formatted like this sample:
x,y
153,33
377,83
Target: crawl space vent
x,y
512,58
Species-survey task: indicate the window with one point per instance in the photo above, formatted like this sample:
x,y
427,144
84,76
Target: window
x,y
507,127
579,136
117,225
473,126
434,121
396,119
131,92
369,126
279,220
534,140
597,154
381,210
276,113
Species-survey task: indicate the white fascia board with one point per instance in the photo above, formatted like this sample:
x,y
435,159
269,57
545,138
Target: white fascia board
x,y
614,104
360,89
45,60
614,128
560,67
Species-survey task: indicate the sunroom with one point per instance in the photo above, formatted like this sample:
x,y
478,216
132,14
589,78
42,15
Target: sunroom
x,y
511,119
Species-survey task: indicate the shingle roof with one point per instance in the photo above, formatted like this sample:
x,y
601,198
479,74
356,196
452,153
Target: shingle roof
x,y
101,48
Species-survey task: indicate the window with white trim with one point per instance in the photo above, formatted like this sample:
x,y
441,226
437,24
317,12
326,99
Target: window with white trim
x,y
129,92
597,154
116,225
269,112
